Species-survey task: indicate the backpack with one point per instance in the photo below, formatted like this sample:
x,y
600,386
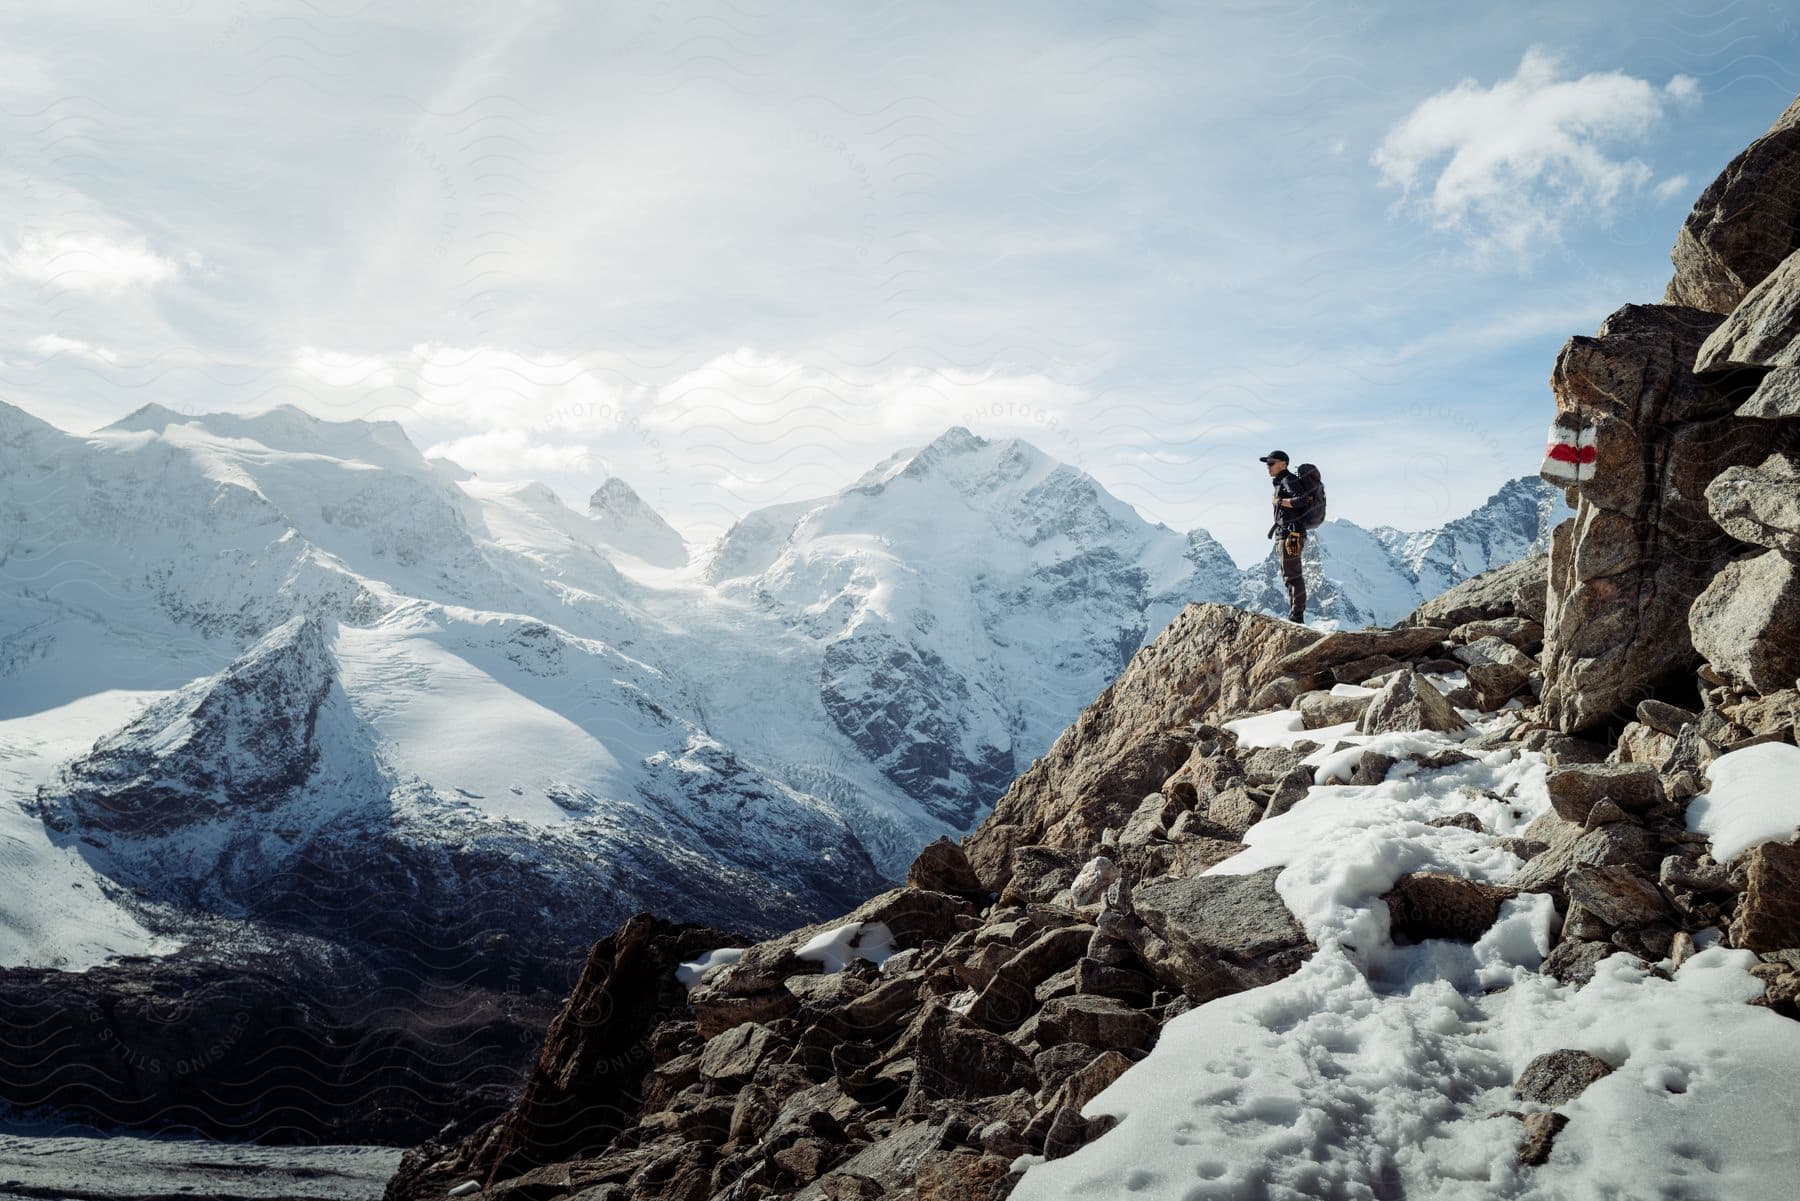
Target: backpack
x,y
1315,486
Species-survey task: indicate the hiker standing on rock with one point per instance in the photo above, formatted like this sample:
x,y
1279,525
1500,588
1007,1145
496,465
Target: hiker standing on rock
x,y
1299,506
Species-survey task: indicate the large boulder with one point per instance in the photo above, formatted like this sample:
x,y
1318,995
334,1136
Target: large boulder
x,y
1349,646
1210,661
1763,331
953,1057
1747,622
1492,594
1743,225
1558,1076
1760,504
1496,668
1426,905
1220,934
1409,702
1776,398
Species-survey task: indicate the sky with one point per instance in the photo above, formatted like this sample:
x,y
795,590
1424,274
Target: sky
x,y
736,253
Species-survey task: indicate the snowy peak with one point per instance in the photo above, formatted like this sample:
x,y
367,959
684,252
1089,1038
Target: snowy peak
x,y
628,524
289,429
241,739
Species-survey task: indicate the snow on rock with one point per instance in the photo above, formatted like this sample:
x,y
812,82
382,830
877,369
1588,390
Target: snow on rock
x,y
694,972
836,947
1754,797
1381,1069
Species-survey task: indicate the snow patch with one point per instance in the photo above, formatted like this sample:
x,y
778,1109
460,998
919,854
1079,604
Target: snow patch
x,y
694,972
1754,798
835,948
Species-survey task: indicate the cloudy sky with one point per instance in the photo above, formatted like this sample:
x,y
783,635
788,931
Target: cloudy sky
x,y
735,252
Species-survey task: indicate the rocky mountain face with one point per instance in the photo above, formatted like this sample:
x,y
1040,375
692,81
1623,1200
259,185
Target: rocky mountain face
x,y
1395,878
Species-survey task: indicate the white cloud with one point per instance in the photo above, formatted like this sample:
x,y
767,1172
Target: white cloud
x,y
337,369
50,344
511,454
88,262
1508,166
1670,188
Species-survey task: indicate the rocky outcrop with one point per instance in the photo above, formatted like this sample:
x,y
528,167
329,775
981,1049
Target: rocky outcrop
x,y
1675,432
1513,589
1743,225
1638,437
930,1036
1210,660
592,1070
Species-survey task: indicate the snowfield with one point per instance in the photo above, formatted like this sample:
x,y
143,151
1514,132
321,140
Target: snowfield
x,y
1381,1070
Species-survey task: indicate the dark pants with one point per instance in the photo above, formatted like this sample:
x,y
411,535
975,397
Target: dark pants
x,y
1290,572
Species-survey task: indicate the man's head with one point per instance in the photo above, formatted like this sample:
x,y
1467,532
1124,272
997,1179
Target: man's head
x,y
1277,461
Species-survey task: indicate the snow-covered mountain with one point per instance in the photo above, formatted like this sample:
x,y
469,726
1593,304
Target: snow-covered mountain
x,y
288,670
970,598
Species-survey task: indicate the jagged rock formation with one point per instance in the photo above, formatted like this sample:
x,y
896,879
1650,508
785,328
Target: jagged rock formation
x,y
1743,224
1135,736
1640,547
1664,401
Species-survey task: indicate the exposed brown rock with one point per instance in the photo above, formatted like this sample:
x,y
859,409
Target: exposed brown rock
x,y
1492,594
1618,896
1540,1131
1573,961
1409,702
1346,646
953,1057
1439,905
1744,224
1220,934
1496,668
1210,660
1321,709
942,867
1641,546
590,1072
1768,916
1633,787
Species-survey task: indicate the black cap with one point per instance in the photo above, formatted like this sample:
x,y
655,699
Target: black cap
x,y
1275,454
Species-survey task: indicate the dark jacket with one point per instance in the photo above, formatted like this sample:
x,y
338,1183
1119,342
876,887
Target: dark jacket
x,y
1289,486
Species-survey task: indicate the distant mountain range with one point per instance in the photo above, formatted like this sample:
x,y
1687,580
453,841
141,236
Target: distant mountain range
x,y
290,674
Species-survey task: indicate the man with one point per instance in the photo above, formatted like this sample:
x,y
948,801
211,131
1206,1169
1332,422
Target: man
x,y
1292,500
